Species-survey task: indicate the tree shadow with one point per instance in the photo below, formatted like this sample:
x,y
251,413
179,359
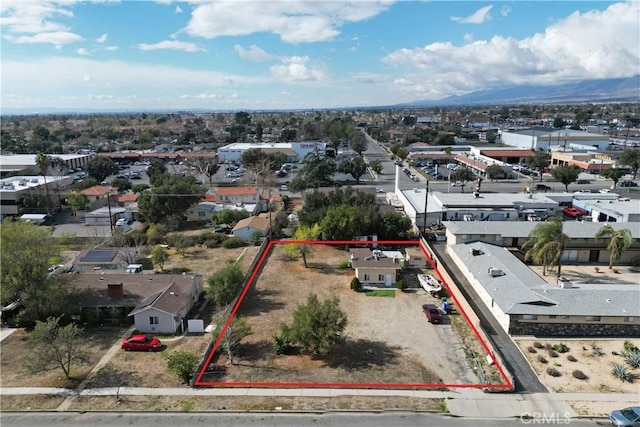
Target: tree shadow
x,y
362,354
260,301
253,352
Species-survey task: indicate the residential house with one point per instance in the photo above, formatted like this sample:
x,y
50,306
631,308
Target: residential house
x,y
99,259
525,304
105,216
415,257
246,227
156,303
374,268
98,195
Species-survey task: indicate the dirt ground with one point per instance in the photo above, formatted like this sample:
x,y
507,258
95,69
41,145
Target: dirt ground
x,y
597,368
206,261
16,347
388,339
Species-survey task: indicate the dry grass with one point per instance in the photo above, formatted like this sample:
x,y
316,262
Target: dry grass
x,y
16,347
255,403
597,368
30,402
206,261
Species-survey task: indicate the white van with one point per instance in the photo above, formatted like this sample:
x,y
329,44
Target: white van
x,y
451,166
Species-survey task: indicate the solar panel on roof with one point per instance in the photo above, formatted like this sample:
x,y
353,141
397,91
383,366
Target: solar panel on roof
x,y
99,256
149,300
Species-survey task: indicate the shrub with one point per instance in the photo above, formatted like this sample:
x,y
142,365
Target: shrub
x,y
355,284
344,264
282,343
621,372
541,359
570,358
629,346
553,372
234,242
579,375
553,353
633,359
597,351
538,344
530,349
561,348
401,285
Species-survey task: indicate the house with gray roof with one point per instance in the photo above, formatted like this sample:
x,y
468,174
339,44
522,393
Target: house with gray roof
x,y
582,246
375,267
525,304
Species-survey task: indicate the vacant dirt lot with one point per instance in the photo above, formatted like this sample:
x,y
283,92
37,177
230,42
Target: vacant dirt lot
x,y
597,368
206,261
388,339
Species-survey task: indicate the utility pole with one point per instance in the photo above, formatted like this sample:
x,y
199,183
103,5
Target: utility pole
x,y
426,199
109,205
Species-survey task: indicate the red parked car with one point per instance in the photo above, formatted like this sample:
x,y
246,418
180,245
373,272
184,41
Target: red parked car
x,y
141,342
572,211
432,313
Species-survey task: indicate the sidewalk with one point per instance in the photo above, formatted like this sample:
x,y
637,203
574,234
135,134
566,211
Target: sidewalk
x,y
469,403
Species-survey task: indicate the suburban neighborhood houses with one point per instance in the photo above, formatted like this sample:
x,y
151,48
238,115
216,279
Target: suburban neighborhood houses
x,y
206,254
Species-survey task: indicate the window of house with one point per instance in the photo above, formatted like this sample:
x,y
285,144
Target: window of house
x,y
380,277
628,319
552,316
153,320
529,317
367,277
593,318
201,213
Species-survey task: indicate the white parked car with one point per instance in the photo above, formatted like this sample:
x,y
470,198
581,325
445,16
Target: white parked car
x,y
121,222
604,191
284,187
456,184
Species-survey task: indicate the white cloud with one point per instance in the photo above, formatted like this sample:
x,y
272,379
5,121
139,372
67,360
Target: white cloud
x,y
480,16
569,49
57,38
254,53
201,96
86,79
297,69
102,38
505,11
172,45
296,21
468,38
178,9
111,48
82,51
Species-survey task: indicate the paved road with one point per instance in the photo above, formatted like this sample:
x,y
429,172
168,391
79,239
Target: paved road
x,y
526,381
214,419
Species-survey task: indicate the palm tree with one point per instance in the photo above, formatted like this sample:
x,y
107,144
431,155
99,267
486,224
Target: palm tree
x,y
619,241
43,163
547,243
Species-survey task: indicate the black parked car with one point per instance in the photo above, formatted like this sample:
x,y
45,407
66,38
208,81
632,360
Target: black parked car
x,y
628,184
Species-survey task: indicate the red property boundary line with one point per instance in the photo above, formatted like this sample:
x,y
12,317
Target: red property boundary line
x,y
199,383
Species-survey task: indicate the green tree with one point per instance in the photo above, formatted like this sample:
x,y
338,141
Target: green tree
x,y
238,329
354,167
26,252
358,142
84,184
619,241
559,122
491,136
157,169
122,184
181,242
169,198
376,166
316,173
463,175
546,244
393,226
156,233
318,326
100,167
566,175
78,202
53,345
229,216
344,222
613,174
159,255
43,162
539,162
494,172
182,364
303,250
225,285
631,157
139,188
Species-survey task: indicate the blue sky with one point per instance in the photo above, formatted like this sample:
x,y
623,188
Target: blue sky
x,y
298,54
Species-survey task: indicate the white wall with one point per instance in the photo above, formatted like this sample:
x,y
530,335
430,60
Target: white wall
x,y
166,324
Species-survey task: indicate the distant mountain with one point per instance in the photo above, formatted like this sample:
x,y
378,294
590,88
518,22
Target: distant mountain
x,y
601,90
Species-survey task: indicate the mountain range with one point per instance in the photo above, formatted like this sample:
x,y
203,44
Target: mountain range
x,y
598,90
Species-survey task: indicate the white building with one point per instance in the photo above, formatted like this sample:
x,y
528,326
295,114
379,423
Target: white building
x,y
295,151
540,138
15,188
22,163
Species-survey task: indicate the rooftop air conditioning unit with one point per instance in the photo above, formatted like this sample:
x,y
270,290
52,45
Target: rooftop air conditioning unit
x,y
495,272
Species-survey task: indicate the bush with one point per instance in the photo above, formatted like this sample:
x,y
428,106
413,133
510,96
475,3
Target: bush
x,y
633,359
530,349
541,359
621,372
538,344
234,242
182,364
553,353
256,238
561,348
597,351
355,284
282,343
570,358
553,372
401,285
629,346
344,264
215,240
579,375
